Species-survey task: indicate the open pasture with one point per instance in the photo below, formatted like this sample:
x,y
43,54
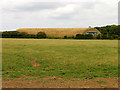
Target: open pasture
x,y
66,59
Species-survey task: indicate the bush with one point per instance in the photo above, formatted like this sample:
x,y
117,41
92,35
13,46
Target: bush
x,y
54,37
41,35
88,36
79,36
104,36
16,34
65,37
118,38
21,35
0,34
13,34
98,37
31,36
115,37
82,36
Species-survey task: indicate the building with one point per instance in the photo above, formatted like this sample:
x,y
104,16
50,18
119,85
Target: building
x,y
60,32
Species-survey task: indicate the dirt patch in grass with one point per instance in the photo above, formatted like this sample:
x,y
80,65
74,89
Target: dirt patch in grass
x,y
53,82
35,64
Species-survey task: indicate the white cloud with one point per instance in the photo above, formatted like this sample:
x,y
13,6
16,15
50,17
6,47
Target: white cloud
x,y
63,11
57,13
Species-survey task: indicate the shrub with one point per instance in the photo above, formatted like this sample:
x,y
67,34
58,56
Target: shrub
x,y
16,34
79,36
65,37
103,36
0,34
54,37
82,36
118,38
115,37
31,36
41,35
88,36
70,37
21,35
98,36
13,34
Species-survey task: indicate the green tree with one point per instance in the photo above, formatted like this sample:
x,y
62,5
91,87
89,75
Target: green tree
x,y
109,31
41,35
65,37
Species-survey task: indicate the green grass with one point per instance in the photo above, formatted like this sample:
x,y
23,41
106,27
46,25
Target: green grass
x,y
60,58
101,82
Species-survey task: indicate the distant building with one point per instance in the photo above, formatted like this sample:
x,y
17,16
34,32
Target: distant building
x,y
60,32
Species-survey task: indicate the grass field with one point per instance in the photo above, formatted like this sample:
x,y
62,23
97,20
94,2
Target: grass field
x,y
68,59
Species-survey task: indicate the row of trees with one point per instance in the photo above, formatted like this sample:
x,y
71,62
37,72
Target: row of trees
x,y
84,36
109,32
16,34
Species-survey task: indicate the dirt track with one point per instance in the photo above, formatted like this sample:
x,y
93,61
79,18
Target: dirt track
x,y
60,83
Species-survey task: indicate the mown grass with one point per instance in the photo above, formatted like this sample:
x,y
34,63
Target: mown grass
x,y
83,59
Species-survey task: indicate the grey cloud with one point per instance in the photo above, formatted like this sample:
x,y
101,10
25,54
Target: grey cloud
x,y
63,17
82,7
88,5
82,11
87,13
35,6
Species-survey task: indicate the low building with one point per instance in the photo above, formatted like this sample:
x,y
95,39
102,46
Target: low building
x,y
60,32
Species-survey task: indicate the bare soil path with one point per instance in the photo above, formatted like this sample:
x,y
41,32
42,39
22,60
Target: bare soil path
x,y
53,82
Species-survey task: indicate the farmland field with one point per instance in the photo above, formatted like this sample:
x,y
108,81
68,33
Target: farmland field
x,y
40,62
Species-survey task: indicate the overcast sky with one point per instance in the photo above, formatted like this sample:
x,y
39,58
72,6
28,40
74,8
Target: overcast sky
x,y
57,13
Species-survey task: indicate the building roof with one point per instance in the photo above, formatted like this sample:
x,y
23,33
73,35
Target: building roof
x,y
58,32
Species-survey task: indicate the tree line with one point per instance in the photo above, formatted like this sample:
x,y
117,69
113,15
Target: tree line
x,y
16,34
41,35
107,32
